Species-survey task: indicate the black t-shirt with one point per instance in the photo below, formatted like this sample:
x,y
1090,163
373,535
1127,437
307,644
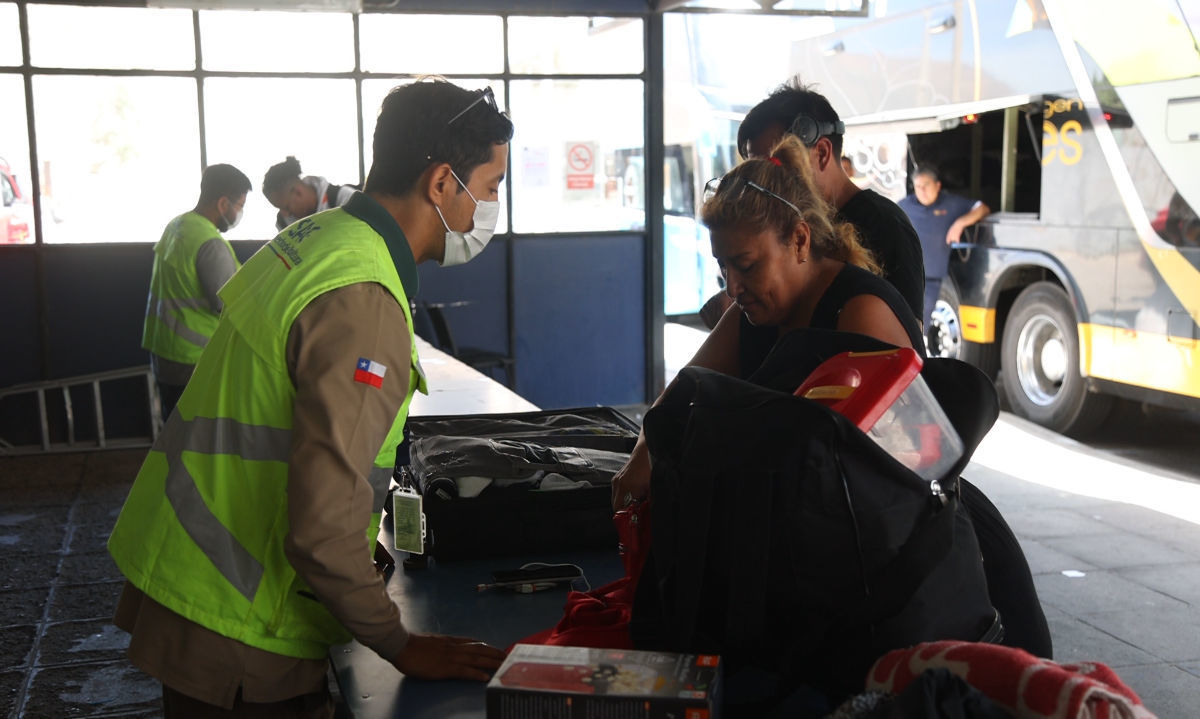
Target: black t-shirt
x,y
887,232
754,343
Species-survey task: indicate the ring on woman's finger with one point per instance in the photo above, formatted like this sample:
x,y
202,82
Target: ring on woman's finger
x,y
629,498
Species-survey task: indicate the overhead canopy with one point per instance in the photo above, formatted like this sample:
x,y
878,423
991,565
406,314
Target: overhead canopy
x,y
920,120
851,8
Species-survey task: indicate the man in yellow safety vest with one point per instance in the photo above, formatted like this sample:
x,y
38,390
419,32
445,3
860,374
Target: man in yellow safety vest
x,y
247,537
192,261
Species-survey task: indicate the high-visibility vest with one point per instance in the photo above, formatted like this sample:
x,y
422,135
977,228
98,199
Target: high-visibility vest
x,y
203,529
179,321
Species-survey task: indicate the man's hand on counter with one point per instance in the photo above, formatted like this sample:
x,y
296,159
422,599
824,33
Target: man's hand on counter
x,y
433,656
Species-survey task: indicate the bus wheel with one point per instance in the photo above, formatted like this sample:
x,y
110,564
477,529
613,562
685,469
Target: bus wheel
x,y
943,336
1040,360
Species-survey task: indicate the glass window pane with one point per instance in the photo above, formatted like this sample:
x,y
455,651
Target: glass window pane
x,y
573,172
375,90
276,41
120,156
575,44
74,36
425,44
16,211
10,35
249,123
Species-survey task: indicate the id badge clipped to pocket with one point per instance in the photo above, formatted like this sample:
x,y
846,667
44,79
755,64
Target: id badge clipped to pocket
x,y
408,521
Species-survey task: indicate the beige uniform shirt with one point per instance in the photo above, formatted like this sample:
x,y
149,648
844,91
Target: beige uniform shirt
x,y
339,426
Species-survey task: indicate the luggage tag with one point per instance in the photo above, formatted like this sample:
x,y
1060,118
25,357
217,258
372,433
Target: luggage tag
x,y
408,521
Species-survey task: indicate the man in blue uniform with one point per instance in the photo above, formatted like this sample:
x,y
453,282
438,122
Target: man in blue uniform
x,y
939,218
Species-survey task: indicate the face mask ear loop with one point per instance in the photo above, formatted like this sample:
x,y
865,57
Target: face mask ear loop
x,y
464,186
443,218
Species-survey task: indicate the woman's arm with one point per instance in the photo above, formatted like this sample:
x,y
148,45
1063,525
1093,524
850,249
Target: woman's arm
x,y
720,353
870,315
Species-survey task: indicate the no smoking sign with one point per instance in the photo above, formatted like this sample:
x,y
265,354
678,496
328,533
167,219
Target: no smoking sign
x,y
581,165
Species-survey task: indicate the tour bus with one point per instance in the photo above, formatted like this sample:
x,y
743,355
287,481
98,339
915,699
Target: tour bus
x,y
1079,125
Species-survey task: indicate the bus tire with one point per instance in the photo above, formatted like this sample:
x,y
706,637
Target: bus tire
x,y
944,336
1039,358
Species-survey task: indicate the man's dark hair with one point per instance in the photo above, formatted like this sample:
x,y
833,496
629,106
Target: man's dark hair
x,y
781,107
222,181
927,170
432,121
280,176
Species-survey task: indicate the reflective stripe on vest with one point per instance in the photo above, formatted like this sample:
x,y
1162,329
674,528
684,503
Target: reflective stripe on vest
x,y
256,443
164,310
221,435
380,479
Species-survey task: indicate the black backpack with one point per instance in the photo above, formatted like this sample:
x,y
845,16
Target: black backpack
x,y
787,541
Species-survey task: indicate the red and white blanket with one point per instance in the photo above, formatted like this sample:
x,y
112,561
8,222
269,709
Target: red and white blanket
x,y
1020,682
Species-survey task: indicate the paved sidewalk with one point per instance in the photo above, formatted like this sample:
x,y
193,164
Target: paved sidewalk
x,y
1120,583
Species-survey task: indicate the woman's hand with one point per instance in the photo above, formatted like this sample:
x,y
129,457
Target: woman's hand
x,y
633,480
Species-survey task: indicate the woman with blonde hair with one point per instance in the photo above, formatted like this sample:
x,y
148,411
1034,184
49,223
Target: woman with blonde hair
x,y
787,265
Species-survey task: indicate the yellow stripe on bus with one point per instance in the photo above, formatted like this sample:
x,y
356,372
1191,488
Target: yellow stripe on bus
x,y
1180,275
978,324
1143,359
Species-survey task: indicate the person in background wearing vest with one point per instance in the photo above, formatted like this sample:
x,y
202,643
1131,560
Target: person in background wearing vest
x,y
191,262
298,197
246,540
940,218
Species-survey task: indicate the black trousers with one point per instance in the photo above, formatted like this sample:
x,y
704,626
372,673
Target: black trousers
x,y
318,705
168,397
1010,583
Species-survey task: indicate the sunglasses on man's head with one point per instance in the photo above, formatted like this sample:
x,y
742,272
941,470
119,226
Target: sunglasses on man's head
x,y
485,95
716,187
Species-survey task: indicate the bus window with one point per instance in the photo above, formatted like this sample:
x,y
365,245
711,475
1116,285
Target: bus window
x,y
970,158
1166,204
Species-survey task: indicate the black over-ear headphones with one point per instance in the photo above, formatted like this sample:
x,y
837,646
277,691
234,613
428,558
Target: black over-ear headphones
x,y
809,130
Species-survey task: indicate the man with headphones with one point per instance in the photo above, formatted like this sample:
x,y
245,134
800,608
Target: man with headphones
x,y
881,224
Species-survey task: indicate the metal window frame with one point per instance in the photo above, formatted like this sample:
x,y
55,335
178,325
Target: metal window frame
x,y
27,70
651,77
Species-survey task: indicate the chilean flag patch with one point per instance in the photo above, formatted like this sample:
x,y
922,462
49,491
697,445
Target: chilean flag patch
x,y
369,372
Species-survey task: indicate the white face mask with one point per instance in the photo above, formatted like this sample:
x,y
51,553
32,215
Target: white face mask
x,y
463,246
230,224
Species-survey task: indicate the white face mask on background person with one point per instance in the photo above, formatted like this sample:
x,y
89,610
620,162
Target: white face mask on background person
x,y
234,222
230,224
463,246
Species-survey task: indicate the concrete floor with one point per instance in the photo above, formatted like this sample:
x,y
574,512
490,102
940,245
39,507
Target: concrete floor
x,y
1136,605
59,654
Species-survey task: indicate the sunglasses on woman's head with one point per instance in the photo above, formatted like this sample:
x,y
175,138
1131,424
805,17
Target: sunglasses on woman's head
x,y
715,187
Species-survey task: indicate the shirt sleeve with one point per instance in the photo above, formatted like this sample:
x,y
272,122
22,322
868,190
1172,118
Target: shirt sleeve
x,y
344,193
902,257
339,426
215,264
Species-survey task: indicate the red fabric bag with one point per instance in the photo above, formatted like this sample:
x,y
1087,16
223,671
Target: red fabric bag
x,y
1029,687
600,617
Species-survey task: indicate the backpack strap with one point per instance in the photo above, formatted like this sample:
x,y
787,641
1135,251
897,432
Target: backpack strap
x,y
927,546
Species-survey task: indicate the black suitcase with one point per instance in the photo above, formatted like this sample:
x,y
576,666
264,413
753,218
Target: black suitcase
x,y
515,520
